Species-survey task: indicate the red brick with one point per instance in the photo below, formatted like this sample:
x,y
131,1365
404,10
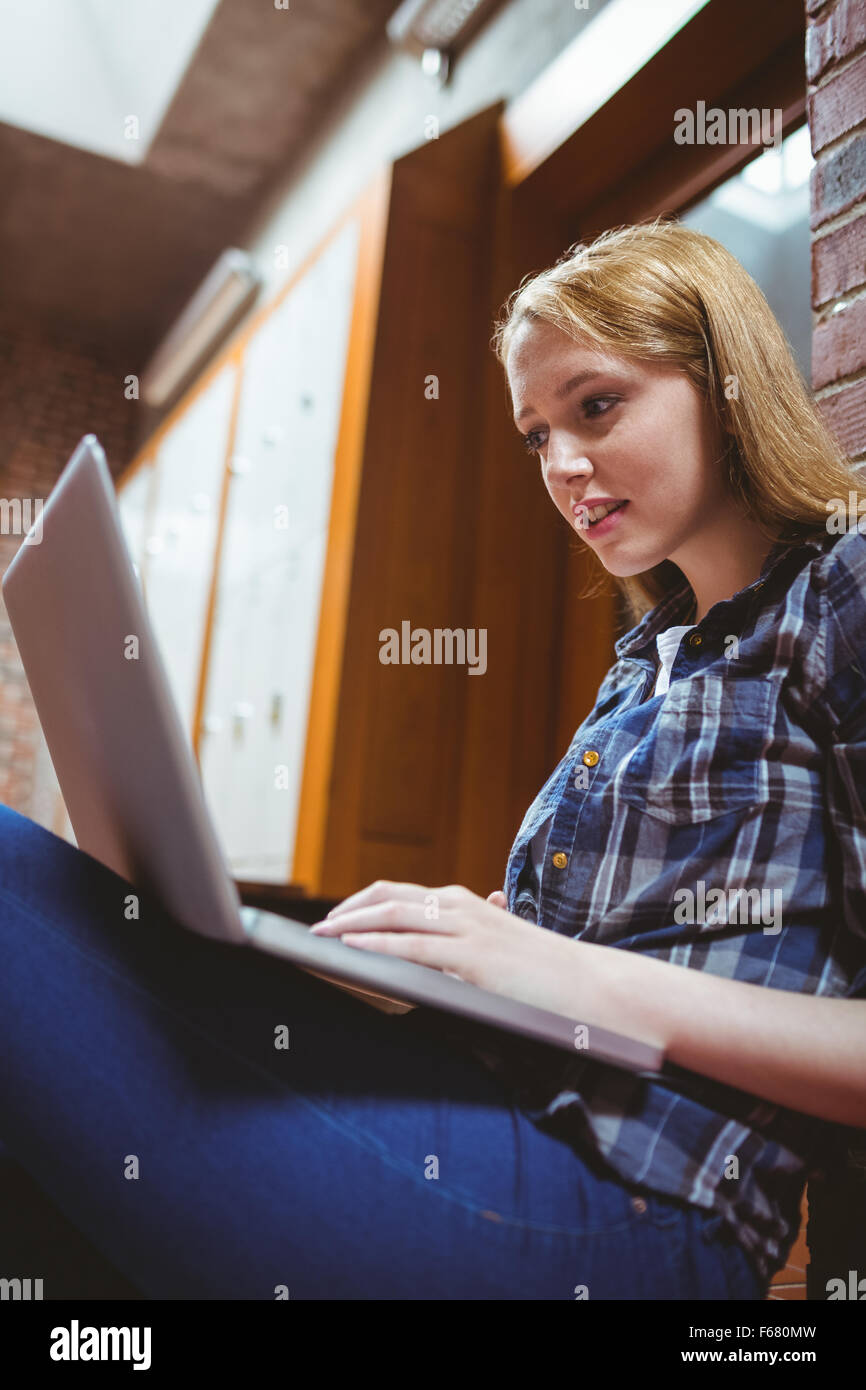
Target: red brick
x,y
834,37
839,106
845,413
839,344
838,181
819,49
52,391
838,262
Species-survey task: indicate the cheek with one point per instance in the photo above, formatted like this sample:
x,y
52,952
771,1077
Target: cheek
x,y
559,496
671,454
554,492
658,431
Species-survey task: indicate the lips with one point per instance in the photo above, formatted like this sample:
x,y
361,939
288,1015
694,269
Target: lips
x,y
590,516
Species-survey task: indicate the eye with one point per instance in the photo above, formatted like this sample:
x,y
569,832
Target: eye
x,y
606,401
533,441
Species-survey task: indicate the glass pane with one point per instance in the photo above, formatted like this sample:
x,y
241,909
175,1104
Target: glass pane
x,y
762,216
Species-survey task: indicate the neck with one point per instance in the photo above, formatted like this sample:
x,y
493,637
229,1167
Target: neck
x,y
720,565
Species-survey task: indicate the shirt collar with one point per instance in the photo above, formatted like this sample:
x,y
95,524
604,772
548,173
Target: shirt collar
x,y
674,608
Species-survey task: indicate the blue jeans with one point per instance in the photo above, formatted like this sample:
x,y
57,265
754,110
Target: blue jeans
x,y
372,1158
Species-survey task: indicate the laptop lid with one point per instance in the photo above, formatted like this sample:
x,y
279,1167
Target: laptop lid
x,y
97,678
127,772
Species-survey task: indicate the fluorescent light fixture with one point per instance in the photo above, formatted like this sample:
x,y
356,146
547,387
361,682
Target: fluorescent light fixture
x,y
443,25
229,289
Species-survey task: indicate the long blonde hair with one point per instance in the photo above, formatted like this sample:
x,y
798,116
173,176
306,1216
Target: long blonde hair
x,y
660,291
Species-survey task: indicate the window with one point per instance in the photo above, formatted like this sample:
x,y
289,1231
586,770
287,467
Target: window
x,y
762,216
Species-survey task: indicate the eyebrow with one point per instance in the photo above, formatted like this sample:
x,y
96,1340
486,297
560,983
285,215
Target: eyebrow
x,y
567,386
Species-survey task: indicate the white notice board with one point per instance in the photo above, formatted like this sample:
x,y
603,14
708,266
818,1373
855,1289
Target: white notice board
x,y
266,616
179,547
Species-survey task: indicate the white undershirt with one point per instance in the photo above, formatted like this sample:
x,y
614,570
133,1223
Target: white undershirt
x,y
668,643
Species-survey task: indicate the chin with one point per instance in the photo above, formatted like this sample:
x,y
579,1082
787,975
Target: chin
x,y
621,567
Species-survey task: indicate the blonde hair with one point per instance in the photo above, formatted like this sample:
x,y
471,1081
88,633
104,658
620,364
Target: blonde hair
x,y
660,291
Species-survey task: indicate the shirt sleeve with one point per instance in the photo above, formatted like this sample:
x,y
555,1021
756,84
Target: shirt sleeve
x,y
840,651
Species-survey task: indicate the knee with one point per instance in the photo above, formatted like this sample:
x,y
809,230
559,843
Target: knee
x,y
20,836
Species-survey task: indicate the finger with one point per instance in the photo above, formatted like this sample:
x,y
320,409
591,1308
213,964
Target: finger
x,y
377,892
392,916
437,952
498,899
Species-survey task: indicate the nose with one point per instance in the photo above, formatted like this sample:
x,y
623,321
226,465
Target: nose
x,y
565,467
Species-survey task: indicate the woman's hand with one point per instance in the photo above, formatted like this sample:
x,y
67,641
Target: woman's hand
x,y
455,930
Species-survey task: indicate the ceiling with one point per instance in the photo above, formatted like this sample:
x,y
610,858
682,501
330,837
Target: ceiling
x,y
112,251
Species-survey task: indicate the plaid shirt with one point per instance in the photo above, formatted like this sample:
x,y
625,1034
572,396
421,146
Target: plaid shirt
x,y
750,774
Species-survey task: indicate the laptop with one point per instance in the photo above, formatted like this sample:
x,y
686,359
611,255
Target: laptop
x,y
130,781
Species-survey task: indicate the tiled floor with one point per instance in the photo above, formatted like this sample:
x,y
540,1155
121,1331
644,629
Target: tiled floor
x,y
790,1282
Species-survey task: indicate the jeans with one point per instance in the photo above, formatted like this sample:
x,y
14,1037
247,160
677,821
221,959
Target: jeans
x,y
372,1157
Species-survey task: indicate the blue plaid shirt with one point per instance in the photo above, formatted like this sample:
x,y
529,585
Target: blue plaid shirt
x,y
748,774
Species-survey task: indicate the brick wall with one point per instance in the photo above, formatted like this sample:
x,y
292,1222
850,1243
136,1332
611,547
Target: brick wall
x,y
836,72
52,391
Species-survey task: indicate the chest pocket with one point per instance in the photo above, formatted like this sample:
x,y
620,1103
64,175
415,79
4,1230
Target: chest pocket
x,y
705,755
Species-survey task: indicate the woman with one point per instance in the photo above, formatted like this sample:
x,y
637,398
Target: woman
x,y
417,1157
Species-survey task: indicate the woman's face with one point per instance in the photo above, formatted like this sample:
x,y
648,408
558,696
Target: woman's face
x,y
629,432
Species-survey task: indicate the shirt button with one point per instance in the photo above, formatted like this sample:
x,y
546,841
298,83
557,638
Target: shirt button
x,y
639,1205
590,758
560,860
695,639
